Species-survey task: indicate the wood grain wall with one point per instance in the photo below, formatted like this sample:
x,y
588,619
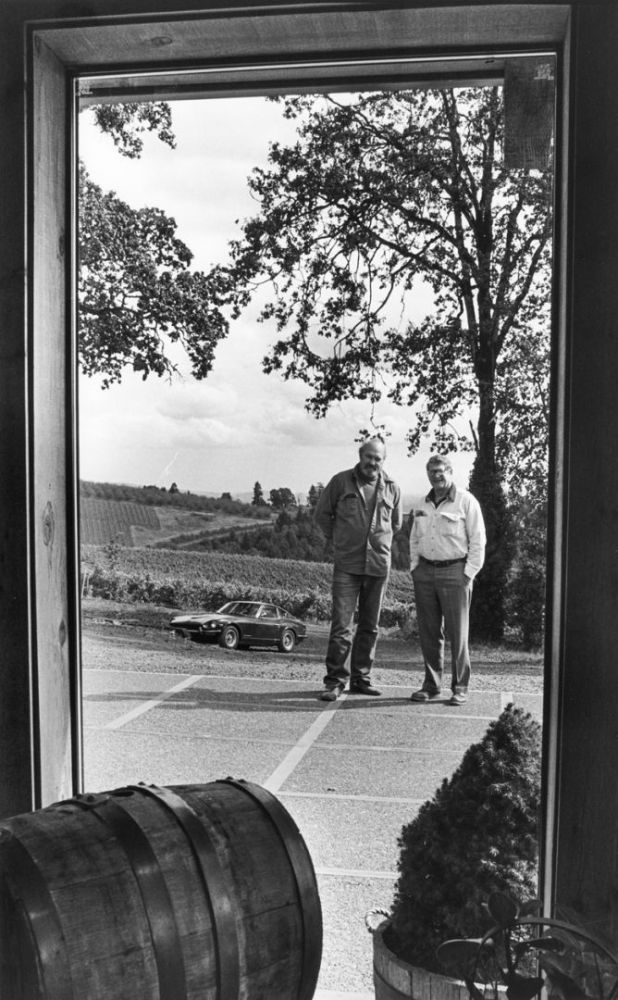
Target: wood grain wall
x,y
50,370
17,778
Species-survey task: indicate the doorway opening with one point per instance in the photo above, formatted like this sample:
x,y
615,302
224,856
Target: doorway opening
x,y
183,538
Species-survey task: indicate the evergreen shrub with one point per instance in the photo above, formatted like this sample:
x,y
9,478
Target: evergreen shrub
x,y
478,835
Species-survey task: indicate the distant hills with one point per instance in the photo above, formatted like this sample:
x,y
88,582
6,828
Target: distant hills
x,y
151,517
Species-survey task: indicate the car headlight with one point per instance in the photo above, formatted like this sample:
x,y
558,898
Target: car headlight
x,y
209,625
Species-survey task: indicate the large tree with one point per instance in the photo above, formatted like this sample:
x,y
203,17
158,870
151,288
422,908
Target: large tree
x,y
282,498
137,292
379,194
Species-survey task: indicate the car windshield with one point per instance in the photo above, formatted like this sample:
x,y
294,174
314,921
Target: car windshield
x,y
246,608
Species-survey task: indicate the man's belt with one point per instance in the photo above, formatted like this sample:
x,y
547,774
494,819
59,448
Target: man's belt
x,y
442,562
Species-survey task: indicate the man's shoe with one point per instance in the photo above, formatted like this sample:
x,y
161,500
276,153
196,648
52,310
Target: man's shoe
x,y
423,695
458,699
364,689
331,694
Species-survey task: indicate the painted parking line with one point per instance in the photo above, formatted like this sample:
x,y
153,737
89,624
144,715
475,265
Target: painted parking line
x,y
146,706
339,995
390,876
381,799
308,740
304,744
397,748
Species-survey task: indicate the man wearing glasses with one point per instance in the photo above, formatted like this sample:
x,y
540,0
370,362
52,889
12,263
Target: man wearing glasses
x,y
447,549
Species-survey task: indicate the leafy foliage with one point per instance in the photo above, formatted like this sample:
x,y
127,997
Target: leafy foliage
x,y
126,123
292,536
281,498
383,193
574,964
195,567
206,580
526,601
314,494
137,294
477,835
401,544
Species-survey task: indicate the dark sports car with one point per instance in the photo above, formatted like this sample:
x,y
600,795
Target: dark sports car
x,y
241,624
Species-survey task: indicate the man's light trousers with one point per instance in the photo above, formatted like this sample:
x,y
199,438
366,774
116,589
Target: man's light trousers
x,y
443,596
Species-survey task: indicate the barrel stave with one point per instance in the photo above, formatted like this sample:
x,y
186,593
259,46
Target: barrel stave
x,y
231,901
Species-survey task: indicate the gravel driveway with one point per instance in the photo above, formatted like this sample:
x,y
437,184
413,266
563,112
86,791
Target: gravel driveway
x,y
134,637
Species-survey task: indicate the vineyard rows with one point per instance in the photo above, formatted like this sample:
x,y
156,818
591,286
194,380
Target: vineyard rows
x,y
208,579
127,522
102,520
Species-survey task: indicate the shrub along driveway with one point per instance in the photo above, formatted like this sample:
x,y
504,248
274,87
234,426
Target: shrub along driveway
x,y
350,773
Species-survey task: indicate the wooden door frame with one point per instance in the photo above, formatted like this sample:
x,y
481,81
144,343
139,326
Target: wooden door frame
x,y
40,725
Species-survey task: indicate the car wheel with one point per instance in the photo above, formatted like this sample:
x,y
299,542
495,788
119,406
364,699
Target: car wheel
x,y
230,637
287,640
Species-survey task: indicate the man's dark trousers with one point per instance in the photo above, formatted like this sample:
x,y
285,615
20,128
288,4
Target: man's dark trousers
x,y
350,589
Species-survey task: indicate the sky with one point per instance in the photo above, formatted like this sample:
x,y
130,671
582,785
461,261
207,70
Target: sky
x,y
239,425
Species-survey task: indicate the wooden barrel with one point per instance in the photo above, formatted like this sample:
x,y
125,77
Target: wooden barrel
x,y
192,892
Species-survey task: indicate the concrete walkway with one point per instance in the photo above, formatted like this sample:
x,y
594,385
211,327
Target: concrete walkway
x,y
351,773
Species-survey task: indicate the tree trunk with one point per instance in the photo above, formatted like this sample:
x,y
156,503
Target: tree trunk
x,y
488,611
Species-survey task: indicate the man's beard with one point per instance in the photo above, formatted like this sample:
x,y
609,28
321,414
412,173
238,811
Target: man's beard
x,y
370,477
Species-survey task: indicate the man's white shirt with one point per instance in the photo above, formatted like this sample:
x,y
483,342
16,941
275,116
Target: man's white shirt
x,y
453,530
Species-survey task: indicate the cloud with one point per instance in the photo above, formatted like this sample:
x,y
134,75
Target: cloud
x,y
202,183
239,425
191,399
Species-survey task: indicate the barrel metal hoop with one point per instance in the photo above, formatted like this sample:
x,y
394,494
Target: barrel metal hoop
x,y
304,875
216,889
22,872
153,890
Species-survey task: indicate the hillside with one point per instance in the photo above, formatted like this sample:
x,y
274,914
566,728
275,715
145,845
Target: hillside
x,y
144,545
127,523
147,516
153,518
208,579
